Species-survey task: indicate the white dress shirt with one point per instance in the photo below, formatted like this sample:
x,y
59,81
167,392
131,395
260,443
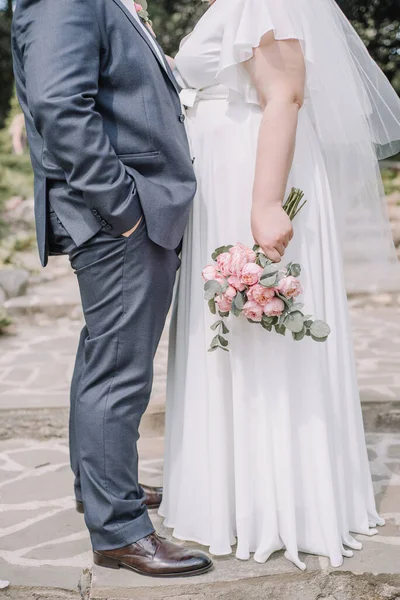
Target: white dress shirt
x,y
130,5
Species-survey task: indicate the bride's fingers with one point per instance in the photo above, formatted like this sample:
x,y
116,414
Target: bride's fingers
x,y
272,254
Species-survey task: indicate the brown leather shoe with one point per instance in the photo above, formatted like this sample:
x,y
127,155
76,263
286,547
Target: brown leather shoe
x,y
152,500
156,557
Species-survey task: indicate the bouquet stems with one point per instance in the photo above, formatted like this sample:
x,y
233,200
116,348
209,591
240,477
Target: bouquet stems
x,y
292,205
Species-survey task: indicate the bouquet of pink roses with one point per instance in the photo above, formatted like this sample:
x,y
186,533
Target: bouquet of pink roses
x,y
244,282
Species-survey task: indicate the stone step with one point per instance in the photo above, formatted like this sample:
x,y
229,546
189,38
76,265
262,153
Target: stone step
x,y
233,579
50,423
54,299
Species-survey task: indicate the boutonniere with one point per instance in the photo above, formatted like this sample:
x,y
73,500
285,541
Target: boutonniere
x,y
142,12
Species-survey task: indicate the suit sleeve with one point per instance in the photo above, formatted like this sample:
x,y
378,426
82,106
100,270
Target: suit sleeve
x,y
61,58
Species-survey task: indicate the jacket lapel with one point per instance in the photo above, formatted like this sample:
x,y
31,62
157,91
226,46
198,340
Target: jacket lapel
x,y
139,29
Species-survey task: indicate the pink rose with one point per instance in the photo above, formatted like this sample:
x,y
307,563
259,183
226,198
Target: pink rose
x,y
253,311
236,283
290,287
224,305
251,255
138,7
224,263
238,259
260,294
209,273
274,307
230,293
251,274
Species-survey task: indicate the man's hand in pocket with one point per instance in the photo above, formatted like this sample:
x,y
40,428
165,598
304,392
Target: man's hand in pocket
x,y
129,233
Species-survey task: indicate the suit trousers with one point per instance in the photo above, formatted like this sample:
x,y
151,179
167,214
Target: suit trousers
x,y
126,287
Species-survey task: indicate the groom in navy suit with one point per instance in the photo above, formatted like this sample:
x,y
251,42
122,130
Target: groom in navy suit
x,y
113,190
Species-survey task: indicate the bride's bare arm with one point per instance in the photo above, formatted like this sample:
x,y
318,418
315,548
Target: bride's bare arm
x,y
278,72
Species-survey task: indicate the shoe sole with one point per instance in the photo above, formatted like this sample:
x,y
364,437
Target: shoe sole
x,y
111,563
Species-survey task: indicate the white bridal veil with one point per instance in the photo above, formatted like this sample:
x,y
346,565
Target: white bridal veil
x,y
355,110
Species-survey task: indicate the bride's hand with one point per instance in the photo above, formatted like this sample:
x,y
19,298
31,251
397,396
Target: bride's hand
x,y
272,230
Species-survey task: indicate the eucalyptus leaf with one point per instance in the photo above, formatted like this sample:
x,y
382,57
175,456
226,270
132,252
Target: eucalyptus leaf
x,y
239,300
300,335
235,311
319,329
220,250
270,270
223,341
267,320
225,330
262,259
213,349
298,306
223,314
281,329
294,322
309,322
295,270
214,342
267,326
319,339
215,325
211,289
212,307
268,281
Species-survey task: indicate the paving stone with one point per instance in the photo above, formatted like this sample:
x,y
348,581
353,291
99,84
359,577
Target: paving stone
x,y
14,282
47,486
394,451
40,576
394,467
389,500
8,518
36,458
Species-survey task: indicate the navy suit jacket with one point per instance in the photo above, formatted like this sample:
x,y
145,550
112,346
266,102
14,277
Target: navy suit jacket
x,y
104,120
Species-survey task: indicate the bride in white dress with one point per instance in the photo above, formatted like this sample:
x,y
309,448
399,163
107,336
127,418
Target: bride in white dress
x,y
265,445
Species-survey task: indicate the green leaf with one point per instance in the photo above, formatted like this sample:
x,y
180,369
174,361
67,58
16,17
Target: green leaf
x,y
220,250
294,322
212,307
223,314
225,330
267,326
214,342
215,325
267,320
319,339
320,330
295,270
213,349
297,306
281,329
308,332
211,289
235,311
270,270
239,300
300,335
268,281
262,259
223,341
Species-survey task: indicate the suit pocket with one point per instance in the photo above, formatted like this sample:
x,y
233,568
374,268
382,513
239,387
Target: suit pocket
x,y
137,160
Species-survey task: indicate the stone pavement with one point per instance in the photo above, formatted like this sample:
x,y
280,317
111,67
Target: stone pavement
x,y
44,547
44,544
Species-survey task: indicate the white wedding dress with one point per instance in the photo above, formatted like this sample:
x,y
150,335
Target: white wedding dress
x,y
265,444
